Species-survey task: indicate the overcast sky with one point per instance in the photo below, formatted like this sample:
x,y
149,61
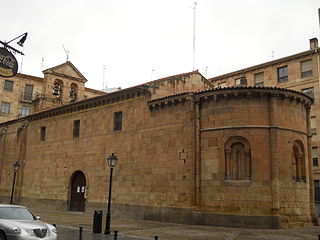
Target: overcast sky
x,y
136,41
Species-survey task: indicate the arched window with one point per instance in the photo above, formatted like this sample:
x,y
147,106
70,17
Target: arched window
x,y
237,159
299,161
73,92
57,89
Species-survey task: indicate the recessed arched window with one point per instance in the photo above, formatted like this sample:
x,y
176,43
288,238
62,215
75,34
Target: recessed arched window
x,y
237,159
73,92
299,161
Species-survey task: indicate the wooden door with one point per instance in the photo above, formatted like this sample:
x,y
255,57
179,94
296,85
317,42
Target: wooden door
x,y
78,188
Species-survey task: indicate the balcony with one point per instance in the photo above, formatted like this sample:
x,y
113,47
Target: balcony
x,y
27,97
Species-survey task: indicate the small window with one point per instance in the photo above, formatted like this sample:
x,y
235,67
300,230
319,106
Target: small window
x,y
308,91
259,79
117,121
27,95
313,124
8,86
5,107
76,129
283,74
315,156
222,85
306,69
242,81
42,133
25,111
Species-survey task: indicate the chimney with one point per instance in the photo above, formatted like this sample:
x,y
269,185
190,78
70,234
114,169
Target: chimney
x,y
313,43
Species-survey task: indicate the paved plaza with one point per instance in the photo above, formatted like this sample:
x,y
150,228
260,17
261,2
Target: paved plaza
x,y
68,224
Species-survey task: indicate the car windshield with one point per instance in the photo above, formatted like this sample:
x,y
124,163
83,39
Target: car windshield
x,y
16,213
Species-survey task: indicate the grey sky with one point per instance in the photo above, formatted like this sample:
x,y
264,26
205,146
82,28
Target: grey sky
x,y
132,37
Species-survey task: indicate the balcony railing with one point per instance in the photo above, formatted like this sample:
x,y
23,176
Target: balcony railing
x,y
27,97
306,74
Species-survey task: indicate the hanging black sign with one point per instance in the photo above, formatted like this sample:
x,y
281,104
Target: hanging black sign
x,y
8,64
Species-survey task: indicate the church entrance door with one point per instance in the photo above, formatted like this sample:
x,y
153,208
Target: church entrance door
x,y
78,189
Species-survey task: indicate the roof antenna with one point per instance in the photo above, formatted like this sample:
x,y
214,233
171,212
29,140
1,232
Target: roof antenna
x,y
67,52
42,63
194,35
272,55
104,87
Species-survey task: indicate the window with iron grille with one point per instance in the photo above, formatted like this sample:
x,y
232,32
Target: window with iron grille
x,y
306,69
315,156
76,129
8,86
5,107
259,79
282,74
42,133
117,121
308,91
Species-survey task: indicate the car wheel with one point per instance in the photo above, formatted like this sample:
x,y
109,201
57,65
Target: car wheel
x,y
3,236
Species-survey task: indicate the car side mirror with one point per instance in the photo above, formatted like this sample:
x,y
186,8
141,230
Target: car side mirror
x,y
38,217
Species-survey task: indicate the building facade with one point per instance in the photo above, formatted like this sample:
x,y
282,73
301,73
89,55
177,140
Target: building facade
x,y
235,156
24,94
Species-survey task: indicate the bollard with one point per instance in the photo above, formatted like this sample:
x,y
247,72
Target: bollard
x,y
115,236
156,237
80,233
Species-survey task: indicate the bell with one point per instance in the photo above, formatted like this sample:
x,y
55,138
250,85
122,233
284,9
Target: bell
x,y
56,90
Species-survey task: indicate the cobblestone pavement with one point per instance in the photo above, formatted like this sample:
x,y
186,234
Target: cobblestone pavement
x,y
68,224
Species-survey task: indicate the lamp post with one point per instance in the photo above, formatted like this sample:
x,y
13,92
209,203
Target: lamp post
x,y
20,42
112,161
15,168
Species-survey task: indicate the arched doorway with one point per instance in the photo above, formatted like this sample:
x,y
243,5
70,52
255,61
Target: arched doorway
x,y
78,189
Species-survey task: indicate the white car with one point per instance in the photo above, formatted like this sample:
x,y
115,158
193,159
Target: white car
x,y
18,223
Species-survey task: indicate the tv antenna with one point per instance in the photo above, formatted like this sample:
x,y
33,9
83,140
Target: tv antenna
x,y
194,34
272,55
104,87
66,51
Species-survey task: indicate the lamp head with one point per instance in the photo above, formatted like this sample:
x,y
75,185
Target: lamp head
x,y
16,166
22,40
112,160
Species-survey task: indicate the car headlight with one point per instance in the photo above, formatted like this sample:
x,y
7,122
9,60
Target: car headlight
x,y
30,232
16,230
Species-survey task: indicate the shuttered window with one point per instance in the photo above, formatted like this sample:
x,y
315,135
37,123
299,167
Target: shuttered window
x,y
306,69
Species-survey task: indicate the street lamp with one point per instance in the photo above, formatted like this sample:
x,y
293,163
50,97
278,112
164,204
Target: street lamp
x,y
112,161
15,168
20,42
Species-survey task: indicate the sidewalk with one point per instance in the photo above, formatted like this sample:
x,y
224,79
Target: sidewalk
x,y
68,224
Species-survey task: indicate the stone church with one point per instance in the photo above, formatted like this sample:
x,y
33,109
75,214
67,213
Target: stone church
x,y
187,153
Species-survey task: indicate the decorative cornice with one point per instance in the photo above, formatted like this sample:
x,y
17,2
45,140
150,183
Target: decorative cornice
x,y
110,98
218,94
